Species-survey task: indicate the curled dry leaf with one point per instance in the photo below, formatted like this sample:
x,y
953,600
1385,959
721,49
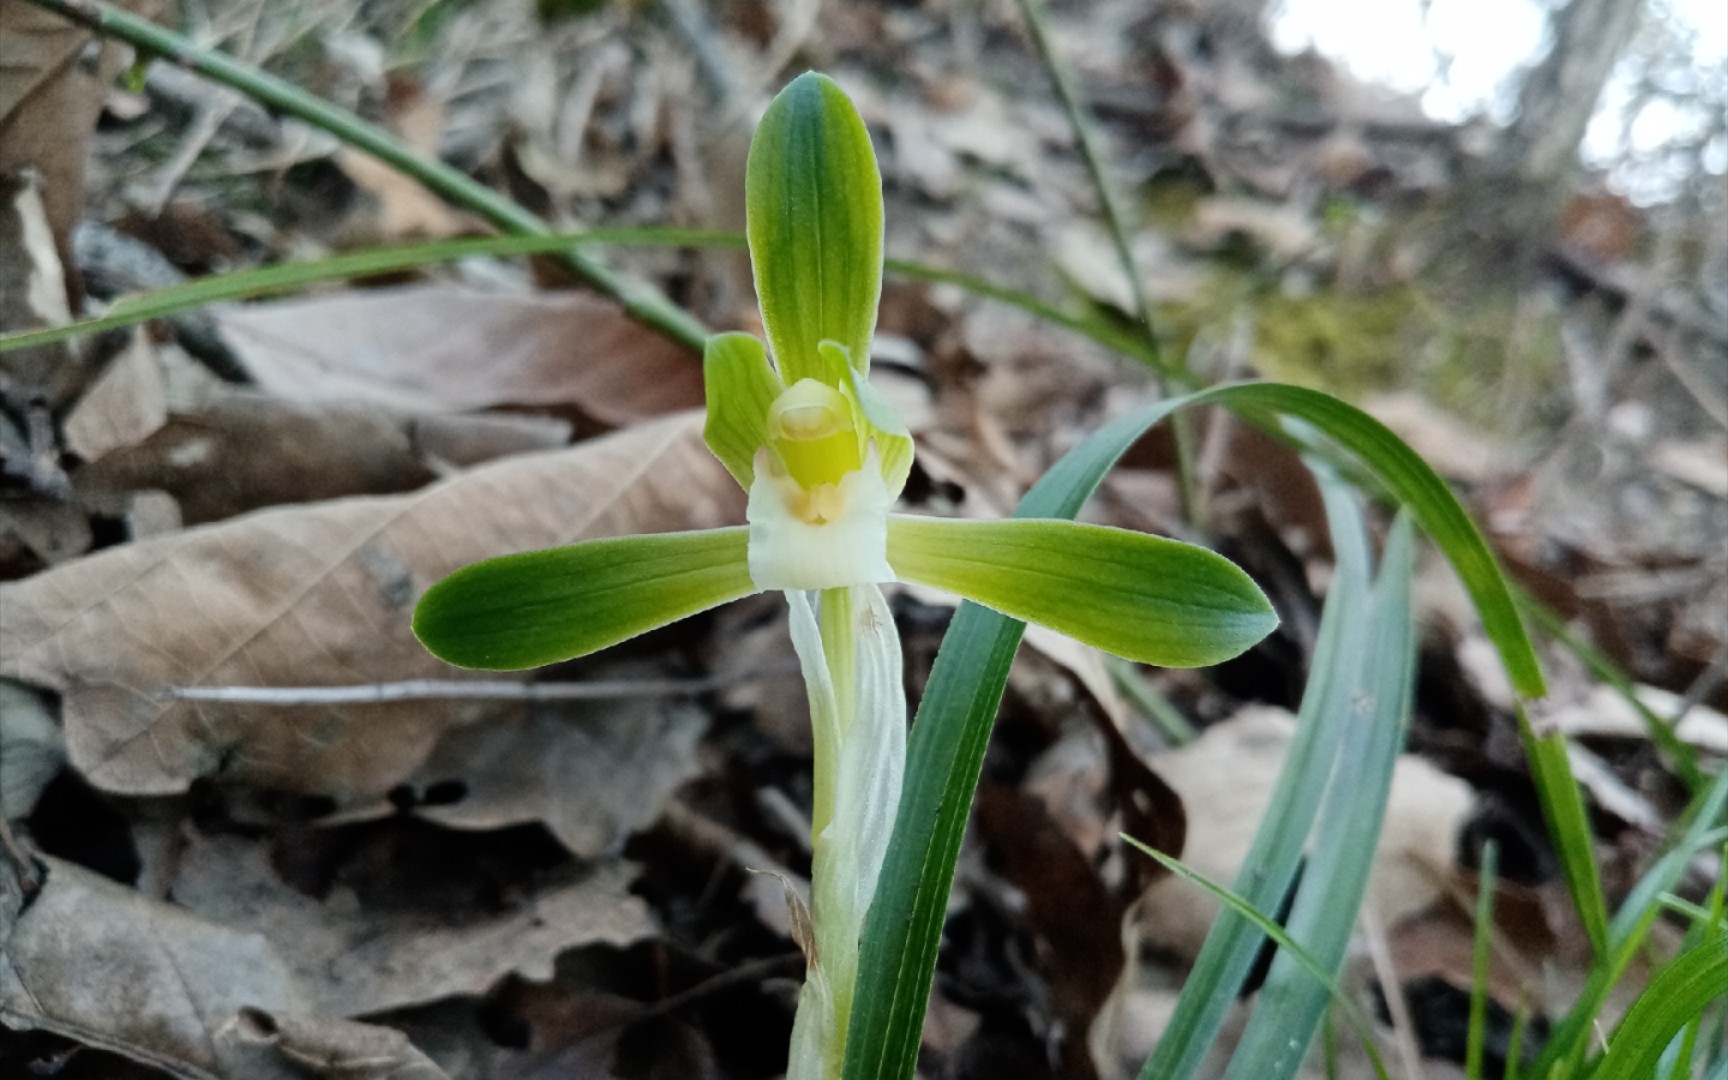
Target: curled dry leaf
x,y
31,749
32,296
49,102
593,775
316,595
443,348
101,964
404,205
1076,917
354,961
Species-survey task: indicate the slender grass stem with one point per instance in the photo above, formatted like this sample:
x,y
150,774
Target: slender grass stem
x,y
1164,372
1081,122
1476,1040
639,299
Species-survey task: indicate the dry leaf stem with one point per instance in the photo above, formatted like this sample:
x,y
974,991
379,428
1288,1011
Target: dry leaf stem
x,y
454,689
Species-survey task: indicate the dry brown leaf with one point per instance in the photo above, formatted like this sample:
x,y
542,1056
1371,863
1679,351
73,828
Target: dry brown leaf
x,y
101,964
33,295
593,775
1605,713
1228,774
47,529
443,348
32,750
1074,914
351,961
156,421
316,595
49,102
126,404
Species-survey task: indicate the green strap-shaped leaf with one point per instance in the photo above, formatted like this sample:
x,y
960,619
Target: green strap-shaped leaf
x,y
1147,598
1288,1012
813,205
1270,867
946,750
540,607
741,386
1674,998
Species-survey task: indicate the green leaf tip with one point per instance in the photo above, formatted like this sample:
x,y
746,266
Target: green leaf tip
x,y
813,207
542,607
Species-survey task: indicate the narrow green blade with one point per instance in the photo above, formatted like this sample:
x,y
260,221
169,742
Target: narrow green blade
x,y
813,206
1266,925
541,607
1632,923
1289,1008
947,744
1568,824
1674,998
1233,943
1482,953
1146,598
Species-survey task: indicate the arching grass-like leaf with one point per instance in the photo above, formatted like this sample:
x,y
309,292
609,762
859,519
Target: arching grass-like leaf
x,y
1674,998
1289,1008
955,718
1233,944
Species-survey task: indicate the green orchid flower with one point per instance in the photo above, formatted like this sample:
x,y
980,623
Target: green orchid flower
x,y
823,459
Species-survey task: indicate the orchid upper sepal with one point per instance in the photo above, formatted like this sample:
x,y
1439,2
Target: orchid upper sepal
x,y
813,214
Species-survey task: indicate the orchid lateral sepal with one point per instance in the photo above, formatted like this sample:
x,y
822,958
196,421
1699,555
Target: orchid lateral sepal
x,y
1147,598
540,607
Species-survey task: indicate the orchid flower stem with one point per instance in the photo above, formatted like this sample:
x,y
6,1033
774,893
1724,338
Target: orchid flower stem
x,y
638,298
850,656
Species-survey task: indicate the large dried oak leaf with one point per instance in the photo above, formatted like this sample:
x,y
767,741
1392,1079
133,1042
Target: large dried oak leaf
x,y
446,348
316,595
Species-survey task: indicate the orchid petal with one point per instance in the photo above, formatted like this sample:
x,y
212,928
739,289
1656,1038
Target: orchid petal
x,y
1146,598
893,440
541,607
741,388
